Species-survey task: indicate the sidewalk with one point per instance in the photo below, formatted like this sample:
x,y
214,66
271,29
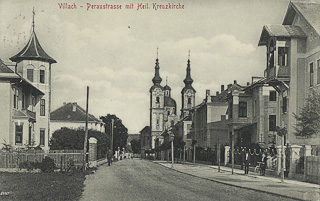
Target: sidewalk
x,y
291,189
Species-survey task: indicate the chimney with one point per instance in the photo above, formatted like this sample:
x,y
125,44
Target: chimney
x,y
222,88
217,93
234,81
248,83
74,107
207,92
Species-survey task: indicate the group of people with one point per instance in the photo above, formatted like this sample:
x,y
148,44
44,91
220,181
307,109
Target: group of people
x,y
262,163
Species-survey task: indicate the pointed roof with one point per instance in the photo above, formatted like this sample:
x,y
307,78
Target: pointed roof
x,y
188,80
33,51
157,79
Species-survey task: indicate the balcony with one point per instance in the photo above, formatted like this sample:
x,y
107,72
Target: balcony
x,y
281,73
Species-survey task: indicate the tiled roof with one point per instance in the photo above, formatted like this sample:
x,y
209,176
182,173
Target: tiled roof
x,y
284,30
66,113
33,51
310,10
280,31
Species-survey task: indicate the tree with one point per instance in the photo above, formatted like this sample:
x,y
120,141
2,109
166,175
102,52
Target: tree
x,y
120,132
308,120
135,145
73,139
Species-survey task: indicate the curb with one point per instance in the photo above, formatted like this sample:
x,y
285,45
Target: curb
x,y
221,182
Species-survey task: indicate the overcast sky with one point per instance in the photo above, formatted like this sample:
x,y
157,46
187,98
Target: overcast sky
x,y
96,48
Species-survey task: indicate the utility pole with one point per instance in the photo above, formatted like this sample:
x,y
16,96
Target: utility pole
x,y
194,153
112,125
232,150
184,154
172,157
86,133
282,159
218,155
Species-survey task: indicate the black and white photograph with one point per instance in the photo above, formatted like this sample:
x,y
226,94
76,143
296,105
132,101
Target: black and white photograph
x,y
159,100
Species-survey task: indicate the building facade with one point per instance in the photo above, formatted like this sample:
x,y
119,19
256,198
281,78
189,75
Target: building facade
x,y
27,99
293,63
71,115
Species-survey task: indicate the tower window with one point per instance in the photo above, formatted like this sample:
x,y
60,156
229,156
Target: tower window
x,y
189,100
42,76
30,74
168,112
157,100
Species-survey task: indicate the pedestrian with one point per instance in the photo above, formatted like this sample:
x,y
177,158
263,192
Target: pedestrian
x,y
109,157
263,164
246,163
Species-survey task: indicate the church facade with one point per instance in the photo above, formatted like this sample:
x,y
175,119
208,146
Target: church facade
x,y
163,108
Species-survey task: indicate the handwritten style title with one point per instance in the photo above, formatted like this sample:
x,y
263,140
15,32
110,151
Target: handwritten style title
x,y
131,6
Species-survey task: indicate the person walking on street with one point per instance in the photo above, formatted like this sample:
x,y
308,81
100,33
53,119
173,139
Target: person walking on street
x,y
109,157
263,164
246,163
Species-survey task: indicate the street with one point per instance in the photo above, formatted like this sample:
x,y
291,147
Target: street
x,y
135,179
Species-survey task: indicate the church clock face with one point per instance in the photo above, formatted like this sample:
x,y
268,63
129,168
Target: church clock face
x,y
189,93
157,91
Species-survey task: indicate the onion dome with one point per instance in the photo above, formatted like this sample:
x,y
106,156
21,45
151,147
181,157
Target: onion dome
x,y
157,79
188,80
169,102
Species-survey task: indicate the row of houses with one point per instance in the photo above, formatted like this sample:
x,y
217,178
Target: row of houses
x,y
25,86
251,113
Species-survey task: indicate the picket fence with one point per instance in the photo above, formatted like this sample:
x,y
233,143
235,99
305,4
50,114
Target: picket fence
x,y
62,158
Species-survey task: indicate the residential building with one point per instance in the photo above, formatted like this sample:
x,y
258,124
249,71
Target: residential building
x,y
26,98
252,114
293,63
71,115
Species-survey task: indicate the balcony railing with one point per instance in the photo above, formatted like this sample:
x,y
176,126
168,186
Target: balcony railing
x,y
278,72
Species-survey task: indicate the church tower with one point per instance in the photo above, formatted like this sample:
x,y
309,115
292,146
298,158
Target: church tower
x,y
157,96
188,93
33,64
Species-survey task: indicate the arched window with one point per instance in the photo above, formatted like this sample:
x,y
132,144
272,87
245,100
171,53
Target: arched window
x,y
189,100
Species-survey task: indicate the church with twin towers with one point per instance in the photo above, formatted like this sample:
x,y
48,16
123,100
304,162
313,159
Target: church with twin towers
x,y
163,108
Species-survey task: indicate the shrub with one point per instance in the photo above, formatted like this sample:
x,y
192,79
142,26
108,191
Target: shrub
x,y
47,165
